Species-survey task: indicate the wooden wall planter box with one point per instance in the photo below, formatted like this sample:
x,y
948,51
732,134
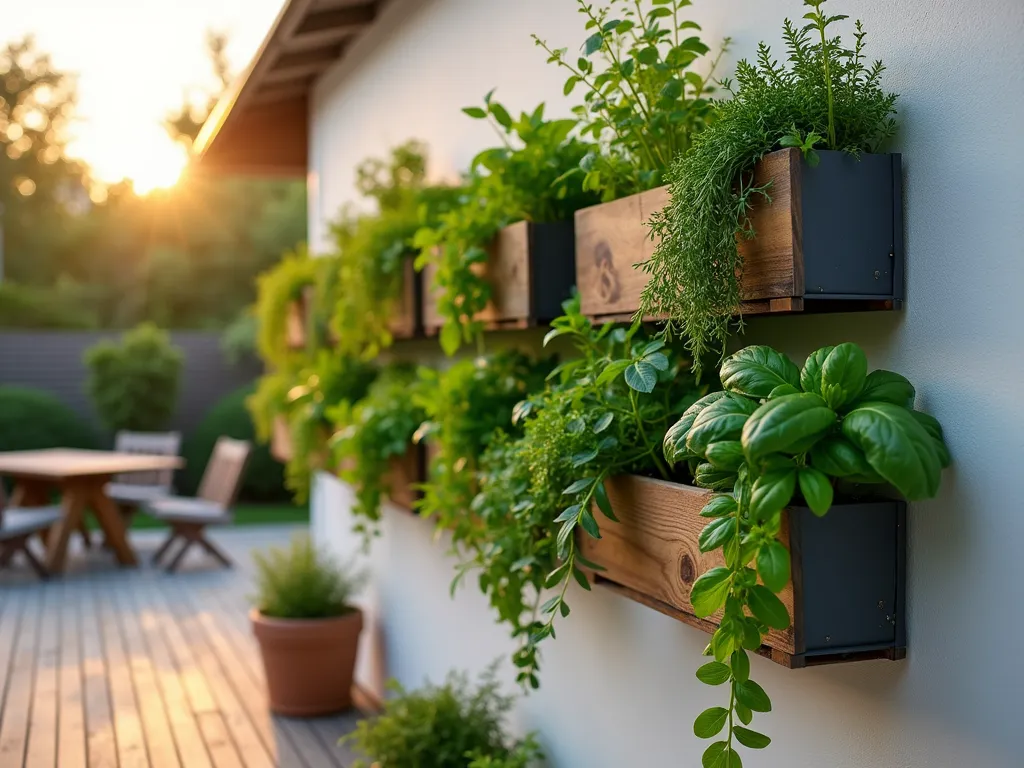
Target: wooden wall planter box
x,y
531,270
404,474
847,594
407,322
830,240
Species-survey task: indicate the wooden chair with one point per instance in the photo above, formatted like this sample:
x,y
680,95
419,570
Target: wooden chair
x,y
188,517
130,490
18,526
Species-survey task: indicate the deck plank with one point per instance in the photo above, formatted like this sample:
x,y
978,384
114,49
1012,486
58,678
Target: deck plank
x,y
131,668
42,735
71,743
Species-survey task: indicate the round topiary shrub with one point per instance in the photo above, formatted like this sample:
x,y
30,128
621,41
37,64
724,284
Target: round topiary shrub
x,y
32,419
228,417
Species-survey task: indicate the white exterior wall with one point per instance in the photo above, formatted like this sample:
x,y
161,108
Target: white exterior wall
x,y
617,686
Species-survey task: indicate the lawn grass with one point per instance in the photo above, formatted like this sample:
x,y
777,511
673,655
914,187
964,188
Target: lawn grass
x,y
245,514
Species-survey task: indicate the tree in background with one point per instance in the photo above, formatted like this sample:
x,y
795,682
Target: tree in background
x,y
134,382
185,257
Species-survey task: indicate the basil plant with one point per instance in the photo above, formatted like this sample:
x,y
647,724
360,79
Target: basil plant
x,y
776,429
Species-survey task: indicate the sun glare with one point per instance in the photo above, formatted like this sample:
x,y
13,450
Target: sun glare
x,y
159,169
147,158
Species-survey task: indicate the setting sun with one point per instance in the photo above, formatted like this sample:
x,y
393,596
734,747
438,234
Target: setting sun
x,y
147,157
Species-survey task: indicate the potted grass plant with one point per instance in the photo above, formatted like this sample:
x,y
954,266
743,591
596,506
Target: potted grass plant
x,y
307,629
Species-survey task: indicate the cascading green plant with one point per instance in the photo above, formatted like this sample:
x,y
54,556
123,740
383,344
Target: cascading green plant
x,y
643,101
532,176
776,432
604,414
465,406
370,433
828,97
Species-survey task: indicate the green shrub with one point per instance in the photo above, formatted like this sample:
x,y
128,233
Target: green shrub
x,y
454,725
264,475
134,382
301,582
31,419
59,307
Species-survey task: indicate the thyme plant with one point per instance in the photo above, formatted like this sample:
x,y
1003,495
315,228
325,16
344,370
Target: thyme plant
x,y
777,432
827,97
643,98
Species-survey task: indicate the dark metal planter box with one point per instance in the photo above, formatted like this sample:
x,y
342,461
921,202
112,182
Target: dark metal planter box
x,y
531,269
830,240
847,594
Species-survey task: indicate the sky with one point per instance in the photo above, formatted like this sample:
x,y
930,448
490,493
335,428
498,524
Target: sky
x,y
134,61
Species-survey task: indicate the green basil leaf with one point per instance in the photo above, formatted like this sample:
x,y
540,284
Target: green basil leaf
x,y
843,375
933,428
450,337
725,454
475,112
787,422
752,696
838,457
604,503
810,376
767,608
773,566
719,506
715,756
751,635
816,490
642,376
772,492
739,665
674,444
710,722
709,591
750,739
897,447
888,387
755,371
714,673
783,389
707,476
722,420
716,534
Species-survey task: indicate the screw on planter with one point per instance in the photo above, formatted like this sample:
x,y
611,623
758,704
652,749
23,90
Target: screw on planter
x,y
877,274
828,638
881,605
686,570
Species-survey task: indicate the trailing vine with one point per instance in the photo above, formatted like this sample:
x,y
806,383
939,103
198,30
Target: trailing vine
x,y
827,97
604,414
372,248
531,176
277,289
643,101
777,432
371,432
464,407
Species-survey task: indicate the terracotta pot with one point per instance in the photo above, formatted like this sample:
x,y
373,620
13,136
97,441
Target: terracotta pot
x,y
309,663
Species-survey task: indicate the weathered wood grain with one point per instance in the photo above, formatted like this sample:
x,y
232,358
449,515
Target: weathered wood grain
x,y
404,321
653,548
612,238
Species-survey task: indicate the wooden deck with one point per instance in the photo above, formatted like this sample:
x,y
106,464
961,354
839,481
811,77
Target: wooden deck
x,y
133,668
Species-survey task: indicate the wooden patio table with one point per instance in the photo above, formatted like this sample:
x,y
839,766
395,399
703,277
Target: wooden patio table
x,y
80,476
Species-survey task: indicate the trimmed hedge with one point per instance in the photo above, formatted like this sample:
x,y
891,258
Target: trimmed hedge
x,y
32,419
264,476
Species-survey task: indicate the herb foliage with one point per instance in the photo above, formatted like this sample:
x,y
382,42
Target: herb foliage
x,y
303,582
777,432
531,176
370,433
453,725
827,97
604,414
643,99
